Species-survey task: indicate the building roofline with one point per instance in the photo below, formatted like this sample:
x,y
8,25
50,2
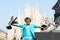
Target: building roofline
x,y
56,6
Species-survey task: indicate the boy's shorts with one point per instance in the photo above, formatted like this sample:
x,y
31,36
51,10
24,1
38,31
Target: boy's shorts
x,y
27,38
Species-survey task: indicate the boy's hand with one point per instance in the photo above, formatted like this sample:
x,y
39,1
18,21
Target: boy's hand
x,y
40,27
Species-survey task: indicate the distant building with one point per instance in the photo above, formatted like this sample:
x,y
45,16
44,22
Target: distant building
x,y
3,35
56,7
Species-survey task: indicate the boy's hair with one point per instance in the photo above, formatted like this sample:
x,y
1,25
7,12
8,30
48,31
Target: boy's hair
x,y
27,18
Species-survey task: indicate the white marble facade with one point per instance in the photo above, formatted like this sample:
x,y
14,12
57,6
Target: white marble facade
x,y
34,14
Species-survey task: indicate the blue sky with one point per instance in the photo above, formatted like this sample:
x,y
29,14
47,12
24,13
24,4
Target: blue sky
x,y
12,6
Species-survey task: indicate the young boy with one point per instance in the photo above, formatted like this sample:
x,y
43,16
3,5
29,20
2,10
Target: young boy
x,y
27,29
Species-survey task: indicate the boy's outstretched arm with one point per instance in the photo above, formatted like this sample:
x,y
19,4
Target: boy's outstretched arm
x,y
36,26
9,27
14,24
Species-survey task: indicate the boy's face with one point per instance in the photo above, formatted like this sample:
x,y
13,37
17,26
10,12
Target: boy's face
x,y
27,21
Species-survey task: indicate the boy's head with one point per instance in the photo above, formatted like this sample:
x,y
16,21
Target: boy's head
x,y
27,20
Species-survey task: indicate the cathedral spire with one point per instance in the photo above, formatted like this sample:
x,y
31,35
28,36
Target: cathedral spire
x,y
19,16
36,4
27,3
